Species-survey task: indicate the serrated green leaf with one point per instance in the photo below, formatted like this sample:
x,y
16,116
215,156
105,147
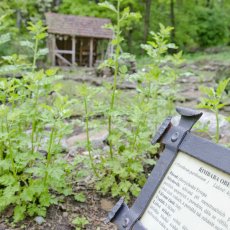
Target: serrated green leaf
x,y
45,199
80,197
135,190
27,44
19,212
115,190
7,180
51,72
108,5
41,36
125,186
80,221
28,194
136,166
4,38
42,52
123,69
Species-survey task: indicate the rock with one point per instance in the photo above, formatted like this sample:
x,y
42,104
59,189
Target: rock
x,y
226,108
3,227
73,150
210,119
211,68
64,144
65,214
191,94
104,72
187,76
39,220
127,85
106,205
97,137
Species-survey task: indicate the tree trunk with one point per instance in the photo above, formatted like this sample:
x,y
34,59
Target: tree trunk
x,y
130,33
147,19
19,18
55,4
172,20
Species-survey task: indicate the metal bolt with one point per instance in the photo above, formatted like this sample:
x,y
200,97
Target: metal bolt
x,y
175,136
126,222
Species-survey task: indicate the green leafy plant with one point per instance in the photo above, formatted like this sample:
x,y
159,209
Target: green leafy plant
x,y
113,62
32,126
212,29
160,78
86,94
131,120
80,222
214,101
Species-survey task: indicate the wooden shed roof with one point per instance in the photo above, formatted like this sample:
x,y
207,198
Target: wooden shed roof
x,y
78,25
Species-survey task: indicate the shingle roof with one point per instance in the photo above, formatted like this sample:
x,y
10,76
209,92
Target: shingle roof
x,y
78,25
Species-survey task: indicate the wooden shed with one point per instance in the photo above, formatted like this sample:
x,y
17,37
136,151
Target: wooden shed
x,y
77,40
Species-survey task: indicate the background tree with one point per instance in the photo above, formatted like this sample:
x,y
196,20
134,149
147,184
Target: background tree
x,y
197,23
148,4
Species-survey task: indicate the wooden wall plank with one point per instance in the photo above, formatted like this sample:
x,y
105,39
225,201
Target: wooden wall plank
x,y
91,53
53,39
73,50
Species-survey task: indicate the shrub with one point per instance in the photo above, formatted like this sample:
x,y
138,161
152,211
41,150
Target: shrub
x,y
212,27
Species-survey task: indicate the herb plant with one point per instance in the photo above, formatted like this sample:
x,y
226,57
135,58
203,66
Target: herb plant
x,y
132,120
214,101
122,17
32,125
80,222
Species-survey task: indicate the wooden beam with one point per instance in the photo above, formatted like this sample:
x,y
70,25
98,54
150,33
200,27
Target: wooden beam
x,y
63,51
53,41
111,48
73,50
63,59
91,53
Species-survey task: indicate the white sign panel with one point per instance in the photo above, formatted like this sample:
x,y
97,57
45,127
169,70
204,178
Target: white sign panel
x,y
193,195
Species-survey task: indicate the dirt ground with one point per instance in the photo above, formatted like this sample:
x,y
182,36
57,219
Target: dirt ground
x,y
59,217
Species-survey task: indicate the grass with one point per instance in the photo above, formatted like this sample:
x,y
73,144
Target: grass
x,y
222,56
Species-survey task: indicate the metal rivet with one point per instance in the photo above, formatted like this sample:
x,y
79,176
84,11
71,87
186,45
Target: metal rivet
x,y
126,222
175,136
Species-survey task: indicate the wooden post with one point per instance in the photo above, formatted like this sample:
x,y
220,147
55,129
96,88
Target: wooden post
x,y
53,49
73,50
91,53
81,44
111,49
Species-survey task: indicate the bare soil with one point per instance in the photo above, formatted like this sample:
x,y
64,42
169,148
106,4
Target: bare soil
x,y
60,217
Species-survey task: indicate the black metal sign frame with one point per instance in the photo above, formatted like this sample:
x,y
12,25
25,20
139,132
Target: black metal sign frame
x,y
175,138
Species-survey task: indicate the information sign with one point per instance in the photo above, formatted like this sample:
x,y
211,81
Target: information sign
x,y
189,187
192,193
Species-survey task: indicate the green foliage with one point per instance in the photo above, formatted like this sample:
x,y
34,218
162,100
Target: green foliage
x,y
213,101
212,27
160,78
80,222
32,126
205,25
81,7
131,120
80,197
113,62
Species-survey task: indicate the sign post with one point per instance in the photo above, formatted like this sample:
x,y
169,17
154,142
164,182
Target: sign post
x,y
188,187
